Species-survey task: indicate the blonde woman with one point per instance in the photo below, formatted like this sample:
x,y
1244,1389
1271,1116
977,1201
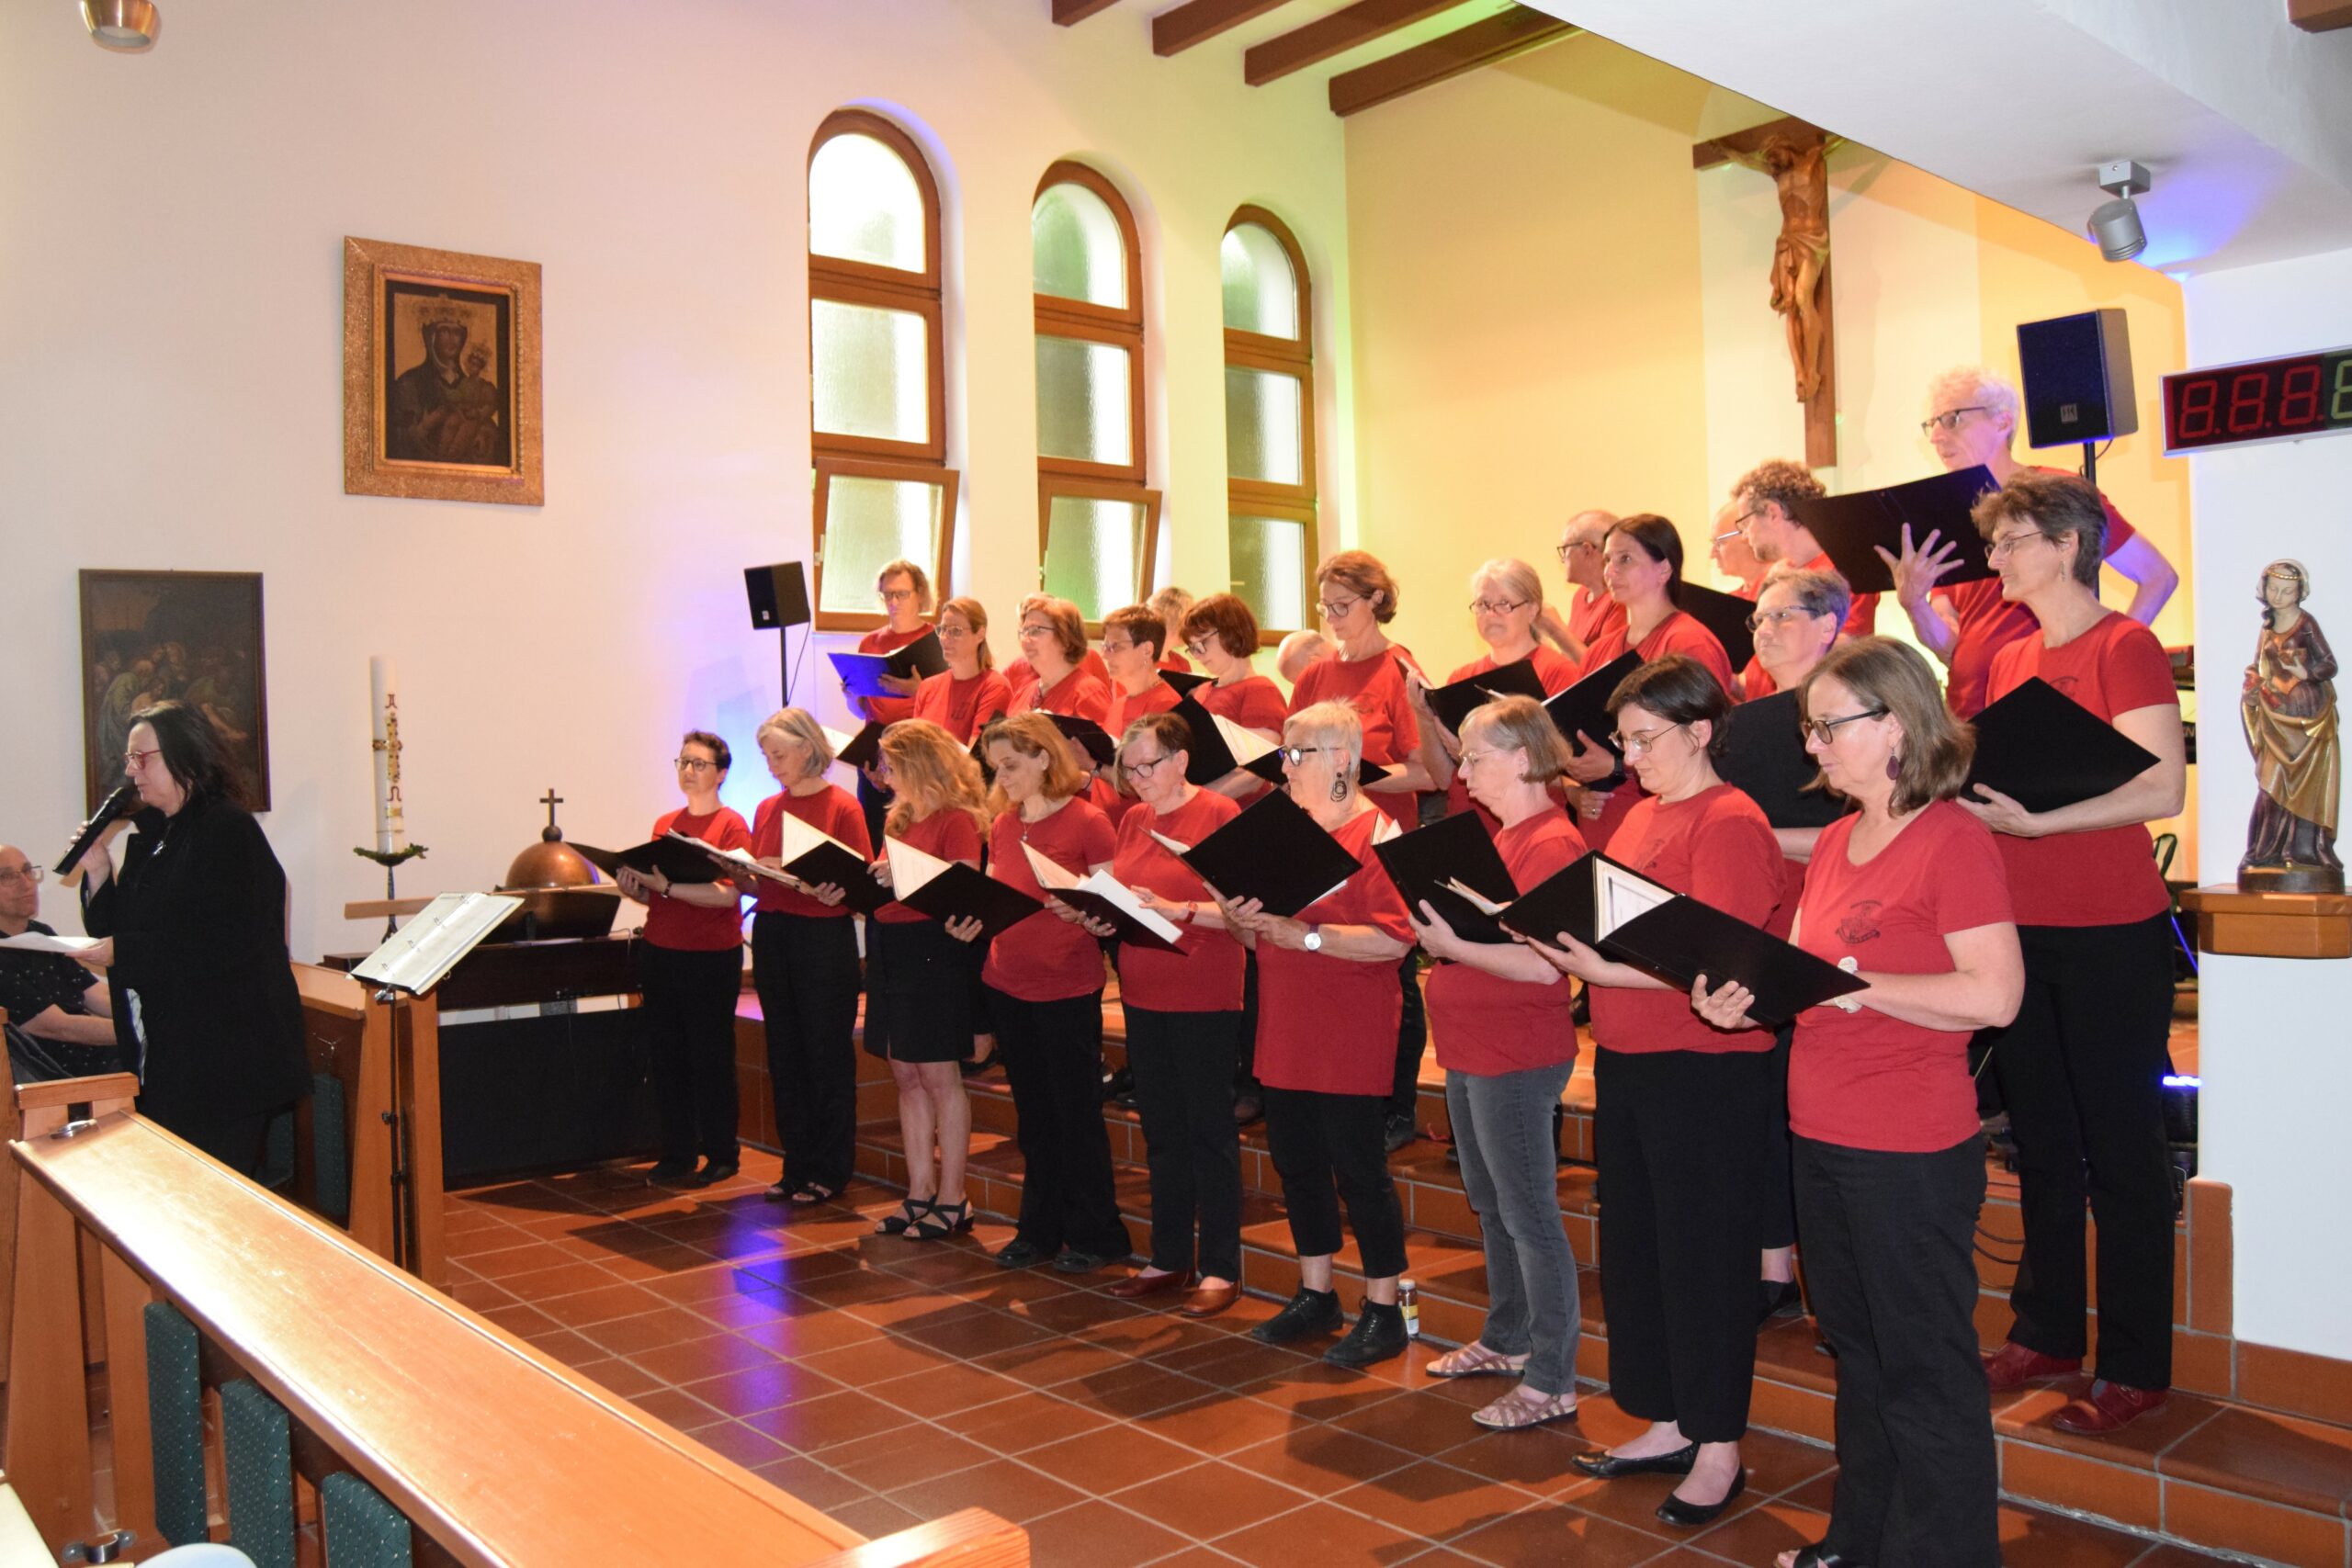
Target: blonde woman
x,y
963,698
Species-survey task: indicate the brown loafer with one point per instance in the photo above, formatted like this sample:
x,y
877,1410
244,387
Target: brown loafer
x,y
1208,1300
1153,1284
2107,1407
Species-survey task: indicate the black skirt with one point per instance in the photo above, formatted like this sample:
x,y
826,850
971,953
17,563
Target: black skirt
x,y
920,982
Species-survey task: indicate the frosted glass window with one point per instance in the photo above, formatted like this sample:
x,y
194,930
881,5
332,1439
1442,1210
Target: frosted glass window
x,y
1076,251
1261,426
1269,559
1083,400
1094,553
870,371
864,205
869,524
1260,290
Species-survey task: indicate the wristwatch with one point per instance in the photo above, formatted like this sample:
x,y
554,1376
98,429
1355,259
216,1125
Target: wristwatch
x,y
1313,942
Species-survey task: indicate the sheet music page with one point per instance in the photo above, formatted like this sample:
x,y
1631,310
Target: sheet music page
x,y
433,942
910,868
33,941
1108,886
1049,875
1246,747
1473,897
799,838
1623,896
1170,845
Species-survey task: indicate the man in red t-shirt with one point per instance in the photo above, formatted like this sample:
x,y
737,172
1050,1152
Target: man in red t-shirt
x,y
1767,496
1591,612
1972,418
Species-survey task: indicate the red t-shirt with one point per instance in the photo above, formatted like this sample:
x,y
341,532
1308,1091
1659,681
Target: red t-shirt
x,y
963,708
1123,710
951,835
1554,668
1205,976
1984,623
1863,1080
1253,701
1593,616
832,811
882,640
1679,632
1018,673
1375,687
1716,847
1047,958
1075,695
1486,1024
2109,876
1329,1024
1171,660
692,928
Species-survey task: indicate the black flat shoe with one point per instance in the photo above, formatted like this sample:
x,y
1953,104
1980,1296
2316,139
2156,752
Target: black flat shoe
x,y
1602,1465
711,1175
1689,1516
1077,1260
1778,1298
1307,1312
1378,1334
1020,1254
661,1173
1816,1557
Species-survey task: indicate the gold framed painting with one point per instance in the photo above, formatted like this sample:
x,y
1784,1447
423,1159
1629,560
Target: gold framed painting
x,y
440,375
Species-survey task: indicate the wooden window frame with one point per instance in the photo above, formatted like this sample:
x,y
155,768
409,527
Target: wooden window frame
x,y
865,284
1050,485
829,468
1121,327
1288,356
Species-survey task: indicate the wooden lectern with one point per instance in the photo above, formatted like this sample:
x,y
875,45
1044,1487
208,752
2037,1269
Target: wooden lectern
x,y
385,1049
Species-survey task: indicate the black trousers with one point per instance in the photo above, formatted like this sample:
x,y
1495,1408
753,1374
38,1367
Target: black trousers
x,y
1679,1138
690,1036
1245,1078
1329,1149
238,1141
1776,1217
1412,1040
876,805
2082,1069
804,967
1888,1252
1184,1063
1053,1063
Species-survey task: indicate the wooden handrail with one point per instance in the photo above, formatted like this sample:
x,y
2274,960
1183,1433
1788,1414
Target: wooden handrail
x,y
498,1454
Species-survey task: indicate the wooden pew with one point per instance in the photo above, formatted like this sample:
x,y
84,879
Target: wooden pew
x,y
388,1058
495,1453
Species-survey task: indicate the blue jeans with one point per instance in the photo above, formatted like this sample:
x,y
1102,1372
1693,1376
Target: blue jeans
x,y
1502,1125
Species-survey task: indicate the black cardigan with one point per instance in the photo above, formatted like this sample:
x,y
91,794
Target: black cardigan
x,y
198,914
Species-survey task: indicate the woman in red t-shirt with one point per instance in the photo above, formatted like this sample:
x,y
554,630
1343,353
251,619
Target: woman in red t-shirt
x,y
962,698
1045,997
1507,1043
804,961
1506,598
1910,893
1680,1112
2082,1068
1642,565
904,590
690,970
919,979
1327,1020
1054,650
1131,650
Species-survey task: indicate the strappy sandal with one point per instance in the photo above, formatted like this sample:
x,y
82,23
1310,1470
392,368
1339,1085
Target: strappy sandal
x,y
1510,1413
1474,1360
943,1220
910,1215
809,1193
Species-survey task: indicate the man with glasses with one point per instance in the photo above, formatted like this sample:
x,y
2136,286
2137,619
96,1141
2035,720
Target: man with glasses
x,y
1767,497
48,994
1971,419
1727,546
1591,612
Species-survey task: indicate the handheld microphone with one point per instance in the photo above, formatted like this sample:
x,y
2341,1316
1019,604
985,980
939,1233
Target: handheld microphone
x,y
122,803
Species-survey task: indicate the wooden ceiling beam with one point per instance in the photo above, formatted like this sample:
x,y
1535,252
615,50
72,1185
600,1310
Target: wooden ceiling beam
x,y
1069,12
1486,42
1336,34
1197,21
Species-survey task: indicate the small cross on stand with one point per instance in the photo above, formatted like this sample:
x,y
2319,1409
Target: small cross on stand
x,y
551,833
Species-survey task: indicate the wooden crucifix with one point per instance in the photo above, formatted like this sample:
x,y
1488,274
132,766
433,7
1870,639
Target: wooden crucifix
x,y
1796,155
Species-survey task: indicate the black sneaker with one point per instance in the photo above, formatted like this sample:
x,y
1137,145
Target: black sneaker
x,y
1399,1131
1379,1333
1308,1312
1020,1254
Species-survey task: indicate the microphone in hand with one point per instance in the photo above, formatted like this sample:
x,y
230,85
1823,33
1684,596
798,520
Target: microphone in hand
x,y
120,804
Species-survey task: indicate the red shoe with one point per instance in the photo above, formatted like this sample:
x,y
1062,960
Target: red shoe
x,y
2109,1407
2013,1366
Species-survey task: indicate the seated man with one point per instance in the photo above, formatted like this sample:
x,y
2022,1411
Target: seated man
x,y
48,995
1972,418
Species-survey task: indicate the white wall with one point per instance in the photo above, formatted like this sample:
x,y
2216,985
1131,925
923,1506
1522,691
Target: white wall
x,y
2273,1033
171,230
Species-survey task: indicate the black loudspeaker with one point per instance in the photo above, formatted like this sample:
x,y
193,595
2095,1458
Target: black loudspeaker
x,y
2077,376
779,596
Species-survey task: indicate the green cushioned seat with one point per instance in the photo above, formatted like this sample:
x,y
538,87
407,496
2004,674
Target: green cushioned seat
x,y
256,1441
363,1530
176,1416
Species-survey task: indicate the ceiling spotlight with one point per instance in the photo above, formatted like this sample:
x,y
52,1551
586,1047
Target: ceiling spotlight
x,y
125,25
2116,224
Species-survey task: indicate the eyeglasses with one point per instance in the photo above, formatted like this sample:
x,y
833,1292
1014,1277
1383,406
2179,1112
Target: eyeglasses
x,y
1497,606
1826,730
1331,610
1563,551
1630,744
695,764
1035,628
1468,758
30,875
897,596
1763,618
1110,648
135,761
1198,647
1294,755
2000,544
1141,767
1725,537
1950,418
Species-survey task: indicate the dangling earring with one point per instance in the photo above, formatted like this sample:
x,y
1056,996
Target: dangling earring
x,y
1894,765
1338,788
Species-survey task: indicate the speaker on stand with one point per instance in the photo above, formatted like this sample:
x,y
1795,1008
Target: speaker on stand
x,y
778,595
2077,372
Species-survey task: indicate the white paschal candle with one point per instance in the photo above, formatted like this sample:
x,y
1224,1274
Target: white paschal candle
x,y
391,825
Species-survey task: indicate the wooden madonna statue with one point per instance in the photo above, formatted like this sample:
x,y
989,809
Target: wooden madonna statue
x,y
2287,704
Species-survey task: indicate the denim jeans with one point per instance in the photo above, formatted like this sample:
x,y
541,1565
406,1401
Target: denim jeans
x,y
1502,1125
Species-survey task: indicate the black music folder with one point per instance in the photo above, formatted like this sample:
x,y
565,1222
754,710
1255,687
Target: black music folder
x,y
812,859
1763,755
1185,681
1848,526
1455,702
1091,738
1274,852
863,749
862,673
1582,711
1629,918
1454,866
678,858
2044,749
1725,614
950,890
1107,900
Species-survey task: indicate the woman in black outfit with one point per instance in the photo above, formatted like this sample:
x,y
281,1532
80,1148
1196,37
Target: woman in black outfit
x,y
206,1011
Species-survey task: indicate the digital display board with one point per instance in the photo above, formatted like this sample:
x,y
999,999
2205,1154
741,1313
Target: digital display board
x,y
2265,400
